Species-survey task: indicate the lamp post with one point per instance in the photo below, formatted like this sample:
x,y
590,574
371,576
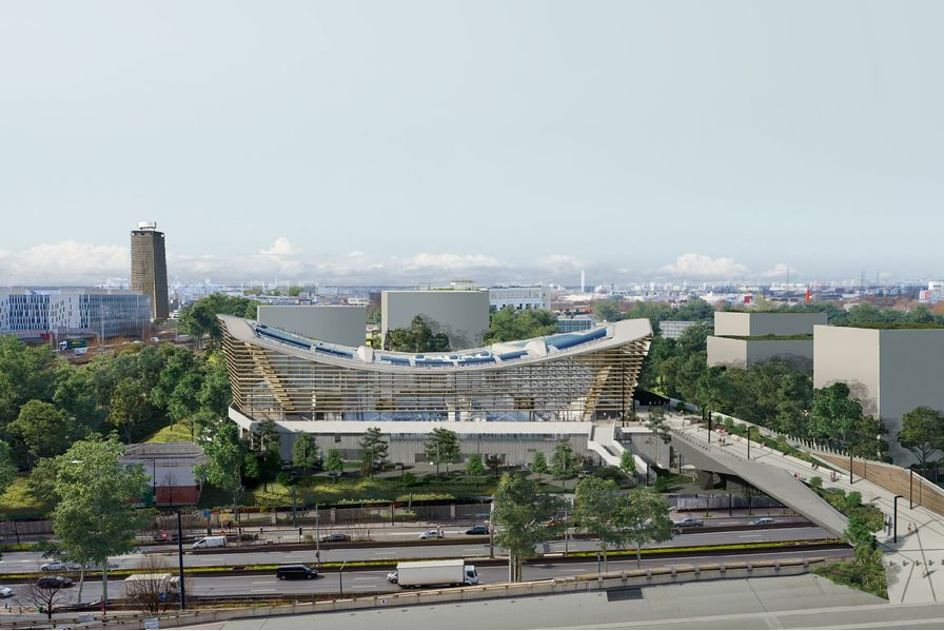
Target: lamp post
x,y
911,473
341,587
180,560
708,434
896,519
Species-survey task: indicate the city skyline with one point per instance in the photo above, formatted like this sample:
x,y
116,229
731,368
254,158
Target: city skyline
x,y
366,143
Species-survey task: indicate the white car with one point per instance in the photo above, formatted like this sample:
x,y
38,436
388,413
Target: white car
x,y
6,592
432,534
392,577
59,566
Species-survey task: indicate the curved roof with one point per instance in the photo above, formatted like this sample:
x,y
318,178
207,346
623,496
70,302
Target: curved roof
x,y
497,355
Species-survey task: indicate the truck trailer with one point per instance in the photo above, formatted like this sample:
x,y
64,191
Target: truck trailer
x,y
428,573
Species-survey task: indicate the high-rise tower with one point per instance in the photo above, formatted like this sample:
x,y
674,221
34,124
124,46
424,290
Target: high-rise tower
x,y
149,267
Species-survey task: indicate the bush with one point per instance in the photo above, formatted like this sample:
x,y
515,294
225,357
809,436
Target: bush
x,y
816,482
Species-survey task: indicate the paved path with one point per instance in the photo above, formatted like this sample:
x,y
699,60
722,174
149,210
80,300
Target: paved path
x,y
914,565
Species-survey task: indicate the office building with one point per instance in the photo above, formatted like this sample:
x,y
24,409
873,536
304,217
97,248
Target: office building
x,y
102,312
520,297
149,267
574,323
24,312
745,338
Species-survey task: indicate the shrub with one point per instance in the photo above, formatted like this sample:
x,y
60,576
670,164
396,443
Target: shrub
x,y
816,482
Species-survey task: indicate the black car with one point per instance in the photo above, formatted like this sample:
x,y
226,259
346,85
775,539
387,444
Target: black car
x,y
52,582
478,530
289,572
338,536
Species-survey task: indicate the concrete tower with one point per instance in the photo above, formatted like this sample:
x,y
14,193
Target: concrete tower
x,y
149,267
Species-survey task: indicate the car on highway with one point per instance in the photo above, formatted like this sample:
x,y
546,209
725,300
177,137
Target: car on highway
x,y
335,537
478,530
6,592
431,534
688,522
289,572
53,582
392,577
761,520
59,566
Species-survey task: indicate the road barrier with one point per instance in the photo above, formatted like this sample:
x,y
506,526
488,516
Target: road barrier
x,y
581,583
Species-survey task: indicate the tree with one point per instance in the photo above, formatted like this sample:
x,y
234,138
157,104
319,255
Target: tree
x,y
42,480
527,516
647,519
563,461
215,395
154,586
921,433
493,461
419,338
834,414
305,453
539,464
45,597
508,324
291,485
95,517
656,423
43,428
333,462
712,390
474,465
601,510
7,468
442,446
224,465
608,310
373,448
127,407
627,464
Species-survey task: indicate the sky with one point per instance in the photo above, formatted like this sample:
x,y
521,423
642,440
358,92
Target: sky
x,y
403,142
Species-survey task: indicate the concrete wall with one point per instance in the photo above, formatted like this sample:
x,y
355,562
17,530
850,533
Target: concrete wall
x,y
462,315
339,324
891,372
758,324
736,353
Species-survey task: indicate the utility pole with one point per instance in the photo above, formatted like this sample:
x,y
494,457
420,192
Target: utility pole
x,y
180,560
492,531
896,519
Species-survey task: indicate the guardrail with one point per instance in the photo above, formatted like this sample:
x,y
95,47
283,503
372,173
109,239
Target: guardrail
x,y
580,583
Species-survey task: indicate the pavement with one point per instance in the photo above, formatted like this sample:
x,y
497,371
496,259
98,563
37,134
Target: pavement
x,y
790,602
914,565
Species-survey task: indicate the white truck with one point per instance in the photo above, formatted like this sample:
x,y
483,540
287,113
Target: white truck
x,y
162,583
428,573
209,542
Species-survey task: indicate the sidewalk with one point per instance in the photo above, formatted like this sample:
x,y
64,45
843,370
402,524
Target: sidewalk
x,y
914,565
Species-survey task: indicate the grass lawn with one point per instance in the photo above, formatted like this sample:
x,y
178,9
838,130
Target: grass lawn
x,y
18,503
178,432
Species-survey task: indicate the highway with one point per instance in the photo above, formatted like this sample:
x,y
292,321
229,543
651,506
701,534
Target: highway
x,y
375,581
17,562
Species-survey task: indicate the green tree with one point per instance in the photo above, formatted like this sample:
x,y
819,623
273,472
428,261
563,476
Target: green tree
x,y
608,310
127,410
563,461
656,423
26,373
834,414
647,519
508,324
291,484
526,516
42,479
44,429
539,464
223,468
215,394
7,468
419,338
921,433
627,464
373,449
442,446
95,517
601,511
305,453
474,465
200,319
333,462
75,396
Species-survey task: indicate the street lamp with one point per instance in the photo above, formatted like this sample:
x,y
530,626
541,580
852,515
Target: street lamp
x,y
896,519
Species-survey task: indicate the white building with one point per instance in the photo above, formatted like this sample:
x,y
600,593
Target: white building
x,y
520,297
24,311
672,329
96,311
338,324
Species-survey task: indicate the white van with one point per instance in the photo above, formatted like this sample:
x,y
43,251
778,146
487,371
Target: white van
x,y
209,542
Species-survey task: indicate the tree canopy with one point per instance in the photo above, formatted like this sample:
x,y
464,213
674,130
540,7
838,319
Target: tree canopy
x,y
509,324
527,516
419,338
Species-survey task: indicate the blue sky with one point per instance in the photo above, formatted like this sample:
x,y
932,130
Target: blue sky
x,y
412,141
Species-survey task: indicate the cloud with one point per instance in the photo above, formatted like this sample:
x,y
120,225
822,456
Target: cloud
x,y
559,261
694,265
64,262
281,247
781,270
450,262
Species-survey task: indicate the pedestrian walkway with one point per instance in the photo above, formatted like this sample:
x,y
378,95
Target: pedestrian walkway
x,y
914,564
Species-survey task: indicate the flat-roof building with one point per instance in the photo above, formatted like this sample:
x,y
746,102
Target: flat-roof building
x,y
463,315
890,371
149,267
520,297
337,324
745,338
